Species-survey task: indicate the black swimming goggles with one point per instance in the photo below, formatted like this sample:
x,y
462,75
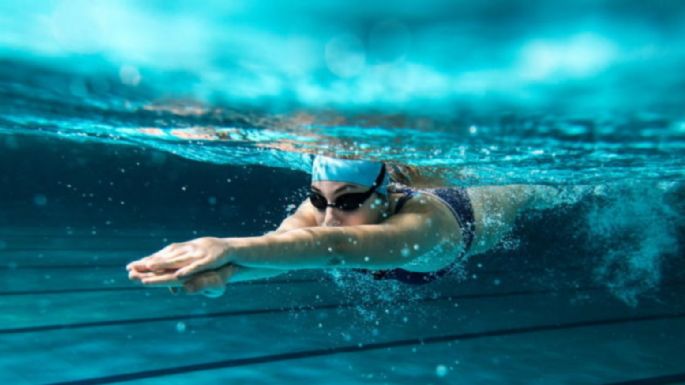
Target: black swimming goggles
x,y
346,202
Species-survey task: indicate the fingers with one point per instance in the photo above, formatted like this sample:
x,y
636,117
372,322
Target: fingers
x,y
171,260
173,267
142,264
162,259
167,258
193,268
161,280
140,275
139,265
135,274
210,284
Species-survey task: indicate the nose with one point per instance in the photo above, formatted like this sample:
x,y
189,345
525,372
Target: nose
x,y
331,217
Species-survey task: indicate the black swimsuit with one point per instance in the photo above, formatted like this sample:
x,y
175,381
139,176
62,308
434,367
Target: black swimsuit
x,y
457,199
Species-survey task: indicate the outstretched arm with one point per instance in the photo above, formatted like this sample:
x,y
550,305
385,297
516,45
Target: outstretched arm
x,y
230,273
407,237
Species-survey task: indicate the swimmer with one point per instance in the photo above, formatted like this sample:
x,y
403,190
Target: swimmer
x,y
356,217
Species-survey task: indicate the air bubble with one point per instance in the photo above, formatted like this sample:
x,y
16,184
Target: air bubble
x,y
181,327
441,370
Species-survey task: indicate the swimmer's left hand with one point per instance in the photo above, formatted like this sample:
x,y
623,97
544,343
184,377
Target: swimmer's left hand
x,y
208,283
179,260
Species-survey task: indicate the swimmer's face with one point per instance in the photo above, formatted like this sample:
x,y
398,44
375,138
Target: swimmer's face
x,y
370,212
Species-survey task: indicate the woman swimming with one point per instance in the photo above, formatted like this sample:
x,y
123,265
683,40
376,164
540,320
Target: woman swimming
x,y
353,218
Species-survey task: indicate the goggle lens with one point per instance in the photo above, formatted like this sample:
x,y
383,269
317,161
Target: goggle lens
x,y
345,202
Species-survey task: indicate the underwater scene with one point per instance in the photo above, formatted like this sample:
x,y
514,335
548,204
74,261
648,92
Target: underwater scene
x,y
136,138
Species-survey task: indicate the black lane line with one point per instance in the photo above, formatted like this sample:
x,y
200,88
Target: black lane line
x,y
233,313
271,358
265,281
659,380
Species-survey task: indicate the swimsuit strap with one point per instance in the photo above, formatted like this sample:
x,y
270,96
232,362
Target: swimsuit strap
x,y
408,194
457,199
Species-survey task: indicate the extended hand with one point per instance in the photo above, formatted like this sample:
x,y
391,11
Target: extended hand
x,y
210,283
181,259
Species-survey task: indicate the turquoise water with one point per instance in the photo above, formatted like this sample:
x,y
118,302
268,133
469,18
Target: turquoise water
x,y
125,126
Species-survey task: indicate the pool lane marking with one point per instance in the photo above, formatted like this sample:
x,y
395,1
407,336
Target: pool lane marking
x,y
271,358
234,313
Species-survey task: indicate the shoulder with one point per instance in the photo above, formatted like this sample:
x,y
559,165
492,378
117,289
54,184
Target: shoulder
x,y
430,207
306,210
419,201
304,216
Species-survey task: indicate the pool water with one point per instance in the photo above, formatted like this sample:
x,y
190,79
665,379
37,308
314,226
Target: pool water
x,y
127,126
551,305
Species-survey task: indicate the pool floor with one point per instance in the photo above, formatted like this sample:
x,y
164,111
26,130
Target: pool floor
x,y
70,315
